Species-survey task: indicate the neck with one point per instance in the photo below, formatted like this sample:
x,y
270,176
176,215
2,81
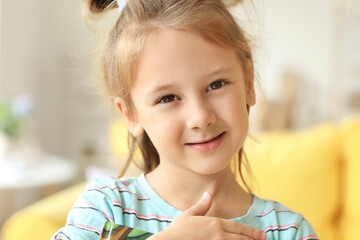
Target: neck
x,y
172,183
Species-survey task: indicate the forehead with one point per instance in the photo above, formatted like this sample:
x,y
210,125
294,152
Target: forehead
x,y
174,55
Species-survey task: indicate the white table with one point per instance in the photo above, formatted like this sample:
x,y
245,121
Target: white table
x,y
52,170
48,175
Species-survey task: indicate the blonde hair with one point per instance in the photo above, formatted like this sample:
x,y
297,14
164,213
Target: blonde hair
x,y
140,19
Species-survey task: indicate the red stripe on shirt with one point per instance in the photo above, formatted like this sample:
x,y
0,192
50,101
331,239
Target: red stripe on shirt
x,y
121,189
88,228
271,209
89,205
124,181
282,227
309,237
266,212
124,189
117,203
147,217
127,183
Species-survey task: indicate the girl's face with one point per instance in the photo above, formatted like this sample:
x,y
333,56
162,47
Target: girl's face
x,y
190,97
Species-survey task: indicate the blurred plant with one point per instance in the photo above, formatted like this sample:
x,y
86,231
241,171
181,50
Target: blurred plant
x,y
13,115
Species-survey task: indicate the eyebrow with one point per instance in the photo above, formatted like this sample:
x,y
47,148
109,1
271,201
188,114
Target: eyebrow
x,y
217,71
175,86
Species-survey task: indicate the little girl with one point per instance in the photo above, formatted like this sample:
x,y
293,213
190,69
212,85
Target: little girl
x,y
181,74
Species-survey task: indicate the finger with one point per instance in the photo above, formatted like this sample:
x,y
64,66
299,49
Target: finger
x,y
201,207
242,229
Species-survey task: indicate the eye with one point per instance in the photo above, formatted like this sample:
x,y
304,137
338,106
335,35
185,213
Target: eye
x,y
216,85
167,99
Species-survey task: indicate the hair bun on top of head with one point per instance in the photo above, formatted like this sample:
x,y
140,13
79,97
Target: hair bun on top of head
x,y
229,3
98,6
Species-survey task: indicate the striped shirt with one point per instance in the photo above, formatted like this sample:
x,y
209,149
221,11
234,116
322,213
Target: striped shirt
x,y
132,202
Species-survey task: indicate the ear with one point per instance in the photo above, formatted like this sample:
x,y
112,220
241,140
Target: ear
x,y
131,122
250,93
248,74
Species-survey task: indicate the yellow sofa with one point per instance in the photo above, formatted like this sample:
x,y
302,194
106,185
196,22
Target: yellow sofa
x,y
314,171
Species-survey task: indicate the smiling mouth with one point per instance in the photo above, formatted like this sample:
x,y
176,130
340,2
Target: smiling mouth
x,y
218,136
209,145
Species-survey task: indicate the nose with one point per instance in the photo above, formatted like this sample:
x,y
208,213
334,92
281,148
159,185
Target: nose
x,y
200,115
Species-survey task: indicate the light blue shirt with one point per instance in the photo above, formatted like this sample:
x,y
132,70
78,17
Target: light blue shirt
x,y
133,203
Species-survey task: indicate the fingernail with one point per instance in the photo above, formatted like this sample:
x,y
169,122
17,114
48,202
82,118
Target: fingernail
x,y
206,195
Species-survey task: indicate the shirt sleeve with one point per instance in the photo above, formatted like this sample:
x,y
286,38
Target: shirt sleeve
x,y
89,213
305,231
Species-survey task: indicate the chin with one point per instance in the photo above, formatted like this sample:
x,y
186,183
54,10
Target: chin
x,y
211,170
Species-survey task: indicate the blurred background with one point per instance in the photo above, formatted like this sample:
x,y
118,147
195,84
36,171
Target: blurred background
x,y
55,117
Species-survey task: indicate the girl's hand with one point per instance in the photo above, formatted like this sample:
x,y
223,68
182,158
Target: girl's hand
x,y
193,224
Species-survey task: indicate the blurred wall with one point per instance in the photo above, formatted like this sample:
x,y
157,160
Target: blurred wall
x,y
315,41
47,51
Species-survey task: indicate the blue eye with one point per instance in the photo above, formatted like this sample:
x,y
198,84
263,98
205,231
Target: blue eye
x,y
216,85
167,99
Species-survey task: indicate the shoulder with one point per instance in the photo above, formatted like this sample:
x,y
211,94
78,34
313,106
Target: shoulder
x,y
110,186
102,200
118,192
270,209
280,222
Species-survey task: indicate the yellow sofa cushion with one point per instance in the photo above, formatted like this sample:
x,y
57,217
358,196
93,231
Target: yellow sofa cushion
x,y
351,191
300,170
118,138
42,219
119,142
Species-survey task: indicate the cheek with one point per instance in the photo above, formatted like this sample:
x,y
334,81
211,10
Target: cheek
x,y
162,129
234,107
234,112
238,118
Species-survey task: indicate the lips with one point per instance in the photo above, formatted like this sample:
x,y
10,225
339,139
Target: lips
x,y
208,145
207,141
